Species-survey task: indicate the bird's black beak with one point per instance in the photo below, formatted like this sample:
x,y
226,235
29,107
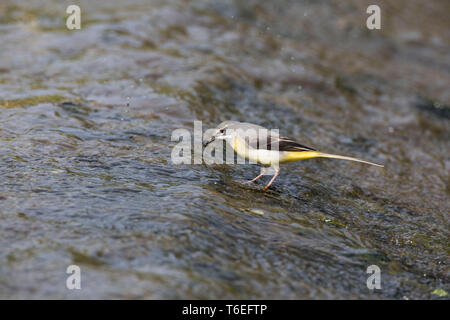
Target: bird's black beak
x,y
209,141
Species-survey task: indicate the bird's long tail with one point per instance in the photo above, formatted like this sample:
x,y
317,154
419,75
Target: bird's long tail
x,y
335,156
294,156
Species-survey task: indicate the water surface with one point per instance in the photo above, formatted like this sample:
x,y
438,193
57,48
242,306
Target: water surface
x,y
86,118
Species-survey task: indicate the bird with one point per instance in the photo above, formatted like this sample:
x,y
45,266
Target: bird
x,y
267,147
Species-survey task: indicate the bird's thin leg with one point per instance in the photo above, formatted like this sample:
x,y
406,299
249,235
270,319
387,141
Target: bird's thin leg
x,y
273,179
264,170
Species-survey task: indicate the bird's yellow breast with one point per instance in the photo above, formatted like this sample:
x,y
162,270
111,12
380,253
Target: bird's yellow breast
x,y
261,156
269,157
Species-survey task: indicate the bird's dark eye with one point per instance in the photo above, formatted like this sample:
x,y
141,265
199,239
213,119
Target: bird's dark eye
x,y
222,130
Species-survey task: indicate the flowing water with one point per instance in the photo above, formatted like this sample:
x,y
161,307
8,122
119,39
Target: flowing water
x,y
86,118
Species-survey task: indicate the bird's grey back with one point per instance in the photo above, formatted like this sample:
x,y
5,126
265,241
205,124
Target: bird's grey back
x,y
254,135
260,137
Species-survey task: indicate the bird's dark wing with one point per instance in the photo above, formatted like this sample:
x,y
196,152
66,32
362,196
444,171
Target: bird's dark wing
x,y
272,141
282,143
286,144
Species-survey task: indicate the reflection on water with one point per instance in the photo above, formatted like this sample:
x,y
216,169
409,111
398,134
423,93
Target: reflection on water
x,y
85,124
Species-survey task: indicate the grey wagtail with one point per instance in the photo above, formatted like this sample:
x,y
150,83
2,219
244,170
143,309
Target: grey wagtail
x,y
267,148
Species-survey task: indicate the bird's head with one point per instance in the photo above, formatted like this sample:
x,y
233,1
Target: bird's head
x,y
222,132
